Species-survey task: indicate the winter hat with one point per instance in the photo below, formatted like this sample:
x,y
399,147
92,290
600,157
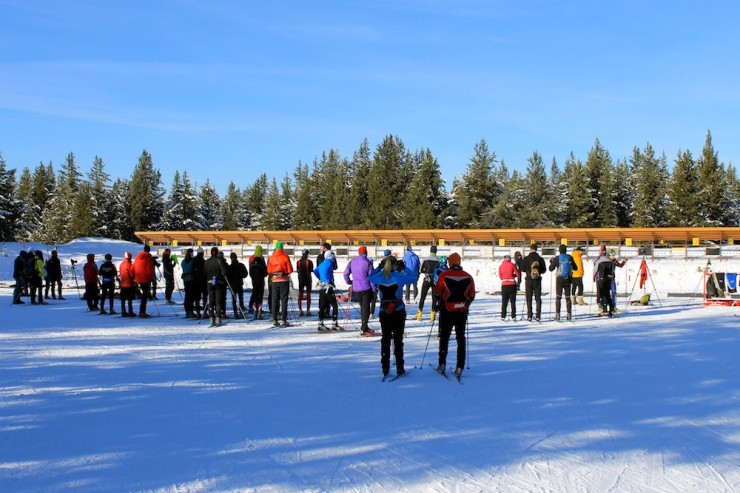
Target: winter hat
x,y
108,256
214,250
387,253
127,255
199,250
305,252
167,251
53,253
454,259
279,245
147,247
326,246
506,257
233,255
362,250
258,251
433,249
408,248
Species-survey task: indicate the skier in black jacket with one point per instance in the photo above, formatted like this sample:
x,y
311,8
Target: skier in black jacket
x,y
214,270
19,274
54,273
237,274
533,266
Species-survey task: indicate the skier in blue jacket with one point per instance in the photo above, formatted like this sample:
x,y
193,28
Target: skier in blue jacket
x,y
390,283
411,260
325,273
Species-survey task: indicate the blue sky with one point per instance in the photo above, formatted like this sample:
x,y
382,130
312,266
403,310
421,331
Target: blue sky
x,y
230,89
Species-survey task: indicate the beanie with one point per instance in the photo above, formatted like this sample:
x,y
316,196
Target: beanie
x,y
362,250
433,249
326,245
258,251
108,256
305,252
408,248
454,259
199,250
233,255
387,253
278,245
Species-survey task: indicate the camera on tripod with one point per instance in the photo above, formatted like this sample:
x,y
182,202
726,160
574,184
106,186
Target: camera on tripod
x,y
73,261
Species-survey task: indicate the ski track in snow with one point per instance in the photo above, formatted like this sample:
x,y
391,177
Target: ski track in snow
x,y
644,402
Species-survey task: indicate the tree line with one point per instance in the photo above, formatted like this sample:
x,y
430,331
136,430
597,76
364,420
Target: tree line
x,y
390,188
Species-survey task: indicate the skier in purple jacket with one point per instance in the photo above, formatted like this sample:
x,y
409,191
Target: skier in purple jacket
x,y
356,274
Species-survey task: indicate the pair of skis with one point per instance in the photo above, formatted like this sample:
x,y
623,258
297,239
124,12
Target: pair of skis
x,y
444,374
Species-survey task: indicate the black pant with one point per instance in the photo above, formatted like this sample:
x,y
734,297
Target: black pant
x,y
408,290
562,288
448,320
280,291
145,288
365,298
215,297
533,287
189,300
577,286
426,285
37,285
237,295
327,299
127,297
18,290
91,295
108,290
169,286
605,295
508,296
392,326
258,294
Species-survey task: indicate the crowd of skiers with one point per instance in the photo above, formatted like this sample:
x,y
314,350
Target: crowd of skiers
x,y
392,284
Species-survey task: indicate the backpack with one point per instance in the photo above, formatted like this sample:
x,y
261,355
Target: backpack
x,y
534,270
565,267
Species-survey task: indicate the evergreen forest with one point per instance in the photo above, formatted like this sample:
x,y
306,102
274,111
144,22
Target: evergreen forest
x,y
388,187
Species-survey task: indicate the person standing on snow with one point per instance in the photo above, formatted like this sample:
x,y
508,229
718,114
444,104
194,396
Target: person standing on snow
x,y
168,272
565,266
577,286
19,269
258,272
428,265
411,260
54,272
200,285
143,276
214,271
356,275
128,285
37,280
327,299
279,267
533,266
455,290
90,271
510,278
187,282
304,268
237,274
107,274
613,286
392,316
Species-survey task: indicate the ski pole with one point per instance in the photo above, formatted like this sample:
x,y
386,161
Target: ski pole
x,y
74,274
467,344
429,338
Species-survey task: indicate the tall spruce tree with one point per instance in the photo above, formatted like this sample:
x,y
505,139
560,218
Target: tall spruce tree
x,y
651,178
426,202
28,216
578,212
556,197
230,206
533,212
145,200
306,201
255,197
101,213
121,225
273,220
711,181
57,220
598,166
358,212
210,207
182,211
8,202
622,194
386,185
475,193
683,188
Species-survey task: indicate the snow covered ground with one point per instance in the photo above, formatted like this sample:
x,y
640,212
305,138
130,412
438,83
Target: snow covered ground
x,y
649,401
